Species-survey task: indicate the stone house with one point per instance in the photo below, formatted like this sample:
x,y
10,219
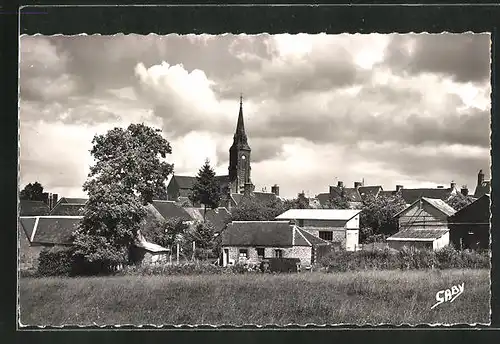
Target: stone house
x,y
253,241
470,226
338,226
423,224
147,253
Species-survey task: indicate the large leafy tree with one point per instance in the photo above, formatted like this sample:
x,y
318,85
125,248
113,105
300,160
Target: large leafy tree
x,y
32,192
301,202
339,202
130,169
251,209
166,233
377,216
459,201
206,189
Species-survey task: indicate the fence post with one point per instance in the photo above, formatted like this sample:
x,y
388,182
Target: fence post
x,y
194,249
177,253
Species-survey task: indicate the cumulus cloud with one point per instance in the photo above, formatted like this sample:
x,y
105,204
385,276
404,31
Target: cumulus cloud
x,y
409,109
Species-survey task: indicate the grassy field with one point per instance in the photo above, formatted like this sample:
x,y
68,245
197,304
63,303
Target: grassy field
x,y
365,297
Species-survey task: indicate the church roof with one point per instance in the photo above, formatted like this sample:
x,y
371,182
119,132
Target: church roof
x,y
184,182
412,195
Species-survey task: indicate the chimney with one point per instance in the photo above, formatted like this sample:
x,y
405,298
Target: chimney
x,y
399,188
453,185
357,184
275,189
464,191
248,189
55,198
340,184
45,198
480,177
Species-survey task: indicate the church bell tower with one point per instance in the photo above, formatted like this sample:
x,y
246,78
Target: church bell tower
x,y
239,157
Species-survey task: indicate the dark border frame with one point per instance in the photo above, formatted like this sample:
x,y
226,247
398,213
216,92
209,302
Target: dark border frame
x,y
216,18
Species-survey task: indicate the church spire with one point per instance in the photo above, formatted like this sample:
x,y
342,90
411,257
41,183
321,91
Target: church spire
x,y
240,135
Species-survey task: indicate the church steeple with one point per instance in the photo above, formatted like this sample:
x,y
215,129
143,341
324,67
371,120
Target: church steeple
x,y
240,136
239,156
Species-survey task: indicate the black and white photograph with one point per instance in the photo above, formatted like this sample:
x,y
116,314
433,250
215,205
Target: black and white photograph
x,y
267,179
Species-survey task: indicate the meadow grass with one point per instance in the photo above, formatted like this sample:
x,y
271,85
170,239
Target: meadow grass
x,y
361,297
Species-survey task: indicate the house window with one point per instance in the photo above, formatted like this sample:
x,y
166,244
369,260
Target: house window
x,y
278,253
300,223
471,233
326,235
260,252
243,253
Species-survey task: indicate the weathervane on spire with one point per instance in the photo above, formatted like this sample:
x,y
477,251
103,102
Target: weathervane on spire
x,y
241,98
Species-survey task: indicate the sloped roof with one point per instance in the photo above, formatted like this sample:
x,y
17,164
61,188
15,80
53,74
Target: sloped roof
x,y
311,239
236,198
365,191
387,193
473,205
440,205
264,196
218,218
73,200
28,225
412,195
169,209
351,194
68,209
184,182
57,230
418,235
148,246
318,214
258,233
484,188
33,208
323,198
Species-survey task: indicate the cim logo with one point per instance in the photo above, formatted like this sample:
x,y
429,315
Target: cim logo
x,y
449,295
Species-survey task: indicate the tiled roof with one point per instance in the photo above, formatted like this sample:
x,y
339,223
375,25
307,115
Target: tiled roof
x,y
149,246
236,198
267,233
187,182
351,194
318,214
264,196
412,195
440,205
365,191
184,182
323,198
258,233
33,208
218,218
418,235
68,209
484,188
169,210
474,205
28,224
73,200
387,193
57,230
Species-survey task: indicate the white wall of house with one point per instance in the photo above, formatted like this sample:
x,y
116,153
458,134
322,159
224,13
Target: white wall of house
x,y
441,242
353,223
304,253
352,239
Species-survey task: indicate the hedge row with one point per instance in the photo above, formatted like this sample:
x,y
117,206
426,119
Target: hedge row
x,y
190,268
386,259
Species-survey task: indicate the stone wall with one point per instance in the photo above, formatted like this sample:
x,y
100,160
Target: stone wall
x,y
28,255
301,252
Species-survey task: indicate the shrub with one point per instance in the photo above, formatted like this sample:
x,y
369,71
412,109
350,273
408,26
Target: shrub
x,y
406,258
55,262
191,268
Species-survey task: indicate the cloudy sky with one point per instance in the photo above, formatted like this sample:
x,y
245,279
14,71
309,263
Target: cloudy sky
x,y
392,109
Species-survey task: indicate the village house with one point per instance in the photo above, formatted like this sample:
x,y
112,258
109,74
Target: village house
x,y
338,226
470,226
483,186
251,242
423,224
355,196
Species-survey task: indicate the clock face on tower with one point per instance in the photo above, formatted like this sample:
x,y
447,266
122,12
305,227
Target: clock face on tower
x,y
243,157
